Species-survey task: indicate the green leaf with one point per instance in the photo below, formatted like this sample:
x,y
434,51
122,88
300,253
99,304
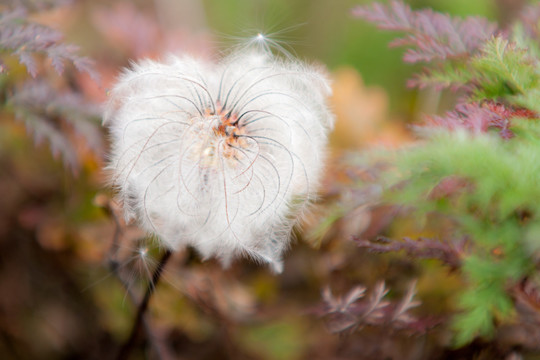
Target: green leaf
x,y
468,325
447,75
506,69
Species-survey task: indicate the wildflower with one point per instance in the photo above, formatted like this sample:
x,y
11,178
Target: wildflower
x,y
222,157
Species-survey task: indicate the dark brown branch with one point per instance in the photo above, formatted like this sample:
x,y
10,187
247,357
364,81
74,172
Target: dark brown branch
x,y
141,310
114,265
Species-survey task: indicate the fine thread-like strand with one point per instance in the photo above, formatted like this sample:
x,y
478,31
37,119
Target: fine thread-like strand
x,y
143,306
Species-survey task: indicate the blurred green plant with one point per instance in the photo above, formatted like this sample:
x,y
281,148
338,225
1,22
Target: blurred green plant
x,y
477,168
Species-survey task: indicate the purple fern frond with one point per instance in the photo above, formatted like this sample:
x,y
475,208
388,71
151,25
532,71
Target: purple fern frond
x,y
479,118
50,115
25,39
354,310
423,248
429,35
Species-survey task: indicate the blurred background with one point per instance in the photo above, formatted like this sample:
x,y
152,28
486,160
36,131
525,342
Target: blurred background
x,y
72,273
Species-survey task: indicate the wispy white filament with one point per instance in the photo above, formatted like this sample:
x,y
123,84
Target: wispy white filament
x,y
222,157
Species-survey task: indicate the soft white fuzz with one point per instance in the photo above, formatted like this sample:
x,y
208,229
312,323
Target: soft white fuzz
x,y
223,157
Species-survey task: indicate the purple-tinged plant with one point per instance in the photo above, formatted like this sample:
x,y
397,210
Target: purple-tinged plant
x,y
60,115
422,248
25,39
475,175
429,35
354,311
479,118
54,116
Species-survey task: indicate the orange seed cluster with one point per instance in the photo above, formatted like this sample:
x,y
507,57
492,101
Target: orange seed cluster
x,y
228,129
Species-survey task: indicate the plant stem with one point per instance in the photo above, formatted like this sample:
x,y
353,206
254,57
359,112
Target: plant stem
x,y
141,310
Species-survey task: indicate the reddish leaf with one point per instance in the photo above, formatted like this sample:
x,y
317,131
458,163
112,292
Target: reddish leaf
x,y
429,35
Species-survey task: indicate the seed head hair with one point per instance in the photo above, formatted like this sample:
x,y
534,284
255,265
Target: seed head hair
x,y
222,156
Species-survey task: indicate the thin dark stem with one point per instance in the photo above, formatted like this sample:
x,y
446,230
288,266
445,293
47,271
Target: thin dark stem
x,y
141,310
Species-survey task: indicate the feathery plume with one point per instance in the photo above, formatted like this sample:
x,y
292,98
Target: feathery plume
x,y
220,156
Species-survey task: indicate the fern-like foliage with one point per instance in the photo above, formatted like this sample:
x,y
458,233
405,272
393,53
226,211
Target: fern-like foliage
x,y
480,117
503,70
60,117
429,35
469,53
356,310
478,167
499,213
26,40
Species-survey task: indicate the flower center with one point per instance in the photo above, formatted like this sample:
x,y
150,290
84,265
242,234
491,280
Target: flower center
x,y
226,138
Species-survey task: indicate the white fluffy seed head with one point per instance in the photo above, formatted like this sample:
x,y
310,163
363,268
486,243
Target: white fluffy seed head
x,y
223,157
